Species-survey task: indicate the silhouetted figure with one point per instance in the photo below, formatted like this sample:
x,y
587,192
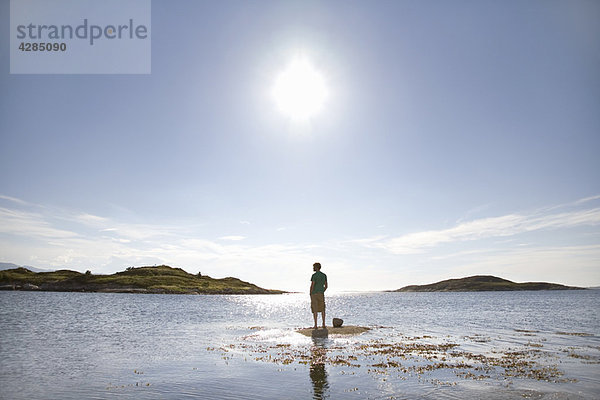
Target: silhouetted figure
x,y
318,286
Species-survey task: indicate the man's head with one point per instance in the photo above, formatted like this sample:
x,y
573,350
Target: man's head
x,y
316,266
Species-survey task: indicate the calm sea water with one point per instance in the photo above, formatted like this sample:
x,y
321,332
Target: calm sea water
x,y
98,346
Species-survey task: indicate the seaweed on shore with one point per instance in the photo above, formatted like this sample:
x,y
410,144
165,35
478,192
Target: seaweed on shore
x,y
406,357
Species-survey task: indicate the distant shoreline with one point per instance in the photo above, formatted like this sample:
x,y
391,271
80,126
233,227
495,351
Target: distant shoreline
x,y
143,280
484,283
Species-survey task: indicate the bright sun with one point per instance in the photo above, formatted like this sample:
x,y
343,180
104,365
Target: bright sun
x,y
300,90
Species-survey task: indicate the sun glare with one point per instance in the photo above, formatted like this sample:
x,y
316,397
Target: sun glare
x,y
299,90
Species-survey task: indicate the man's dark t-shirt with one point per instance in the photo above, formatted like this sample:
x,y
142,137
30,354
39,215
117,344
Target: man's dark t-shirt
x,y
319,279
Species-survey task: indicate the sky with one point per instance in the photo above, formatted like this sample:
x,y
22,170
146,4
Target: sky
x,y
457,138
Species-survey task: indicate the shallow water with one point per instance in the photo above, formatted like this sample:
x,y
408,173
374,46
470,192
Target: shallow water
x,y
437,345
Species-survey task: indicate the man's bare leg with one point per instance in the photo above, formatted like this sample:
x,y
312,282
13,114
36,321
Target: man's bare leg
x,y
315,317
323,313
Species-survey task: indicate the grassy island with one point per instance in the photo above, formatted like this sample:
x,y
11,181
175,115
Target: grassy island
x,y
160,279
482,283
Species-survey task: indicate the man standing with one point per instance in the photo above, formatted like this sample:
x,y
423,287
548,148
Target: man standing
x,y
318,286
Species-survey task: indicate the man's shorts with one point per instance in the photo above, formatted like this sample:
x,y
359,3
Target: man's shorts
x,y
317,302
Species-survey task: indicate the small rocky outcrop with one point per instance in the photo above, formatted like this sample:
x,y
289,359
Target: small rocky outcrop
x,y
325,332
320,333
337,322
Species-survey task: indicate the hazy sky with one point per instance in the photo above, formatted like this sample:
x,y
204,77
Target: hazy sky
x,y
458,138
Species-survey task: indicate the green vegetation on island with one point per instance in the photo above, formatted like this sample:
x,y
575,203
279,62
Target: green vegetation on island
x,y
482,283
160,279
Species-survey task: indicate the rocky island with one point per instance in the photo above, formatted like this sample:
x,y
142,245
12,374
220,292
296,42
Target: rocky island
x,y
160,279
482,283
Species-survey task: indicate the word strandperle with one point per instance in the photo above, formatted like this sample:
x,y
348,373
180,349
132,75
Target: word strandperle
x,y
83,31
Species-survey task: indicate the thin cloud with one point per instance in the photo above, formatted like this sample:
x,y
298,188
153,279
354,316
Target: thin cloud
x,y
29,224
92,220
503,226
232,238
13,199
586,199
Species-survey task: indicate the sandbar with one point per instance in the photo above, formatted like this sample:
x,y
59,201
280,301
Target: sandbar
x,y
343,330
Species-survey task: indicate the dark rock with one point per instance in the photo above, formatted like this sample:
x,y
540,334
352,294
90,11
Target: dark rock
x,y
29,286
320,333
337,322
